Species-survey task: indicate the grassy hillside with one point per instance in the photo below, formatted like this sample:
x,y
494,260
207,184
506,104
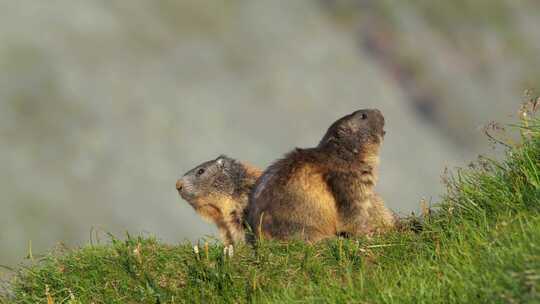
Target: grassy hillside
x,y
111,96
480,245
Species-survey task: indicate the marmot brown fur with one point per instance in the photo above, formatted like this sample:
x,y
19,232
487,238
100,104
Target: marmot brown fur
x,y
325,191
219,191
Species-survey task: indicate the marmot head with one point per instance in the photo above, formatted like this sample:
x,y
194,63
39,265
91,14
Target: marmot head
x,y
357,133
219,191
211,183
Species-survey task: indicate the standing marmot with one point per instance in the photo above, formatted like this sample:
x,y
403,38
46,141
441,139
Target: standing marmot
x,y
325,191
219,190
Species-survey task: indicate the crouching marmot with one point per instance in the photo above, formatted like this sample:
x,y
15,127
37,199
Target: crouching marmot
x,y
219,190
325,191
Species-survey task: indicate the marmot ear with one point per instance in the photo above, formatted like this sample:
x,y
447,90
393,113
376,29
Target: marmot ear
x,y
224,161
221,161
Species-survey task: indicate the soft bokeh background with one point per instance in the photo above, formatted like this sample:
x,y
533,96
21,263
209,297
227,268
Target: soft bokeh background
x,y
103,104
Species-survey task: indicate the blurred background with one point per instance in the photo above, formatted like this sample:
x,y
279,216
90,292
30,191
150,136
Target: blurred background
x,y
104,104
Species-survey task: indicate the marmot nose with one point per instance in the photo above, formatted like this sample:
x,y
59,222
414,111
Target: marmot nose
x,y
179,185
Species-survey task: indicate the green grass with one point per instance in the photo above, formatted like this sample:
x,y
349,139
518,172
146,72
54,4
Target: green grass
x,y
480,245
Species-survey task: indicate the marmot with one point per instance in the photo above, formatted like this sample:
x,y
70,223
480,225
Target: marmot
x,y
219,191
325,191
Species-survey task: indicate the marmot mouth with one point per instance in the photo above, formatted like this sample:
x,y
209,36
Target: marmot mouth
x,y
188,198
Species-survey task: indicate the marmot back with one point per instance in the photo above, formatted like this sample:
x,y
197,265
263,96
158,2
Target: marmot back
x,y
219,191
325,191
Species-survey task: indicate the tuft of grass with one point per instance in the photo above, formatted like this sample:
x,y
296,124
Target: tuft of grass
x,y
480,245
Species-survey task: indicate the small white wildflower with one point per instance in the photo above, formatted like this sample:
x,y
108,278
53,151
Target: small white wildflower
x,y
196,249
231,250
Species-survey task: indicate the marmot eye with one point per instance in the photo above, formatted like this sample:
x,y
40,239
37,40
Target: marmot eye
x,y
364,116
200,172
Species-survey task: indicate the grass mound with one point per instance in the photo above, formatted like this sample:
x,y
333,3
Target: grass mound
x,y
481,245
